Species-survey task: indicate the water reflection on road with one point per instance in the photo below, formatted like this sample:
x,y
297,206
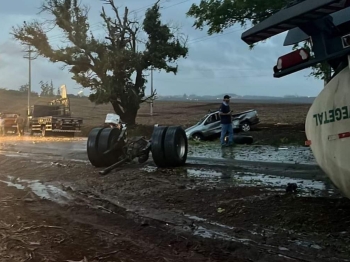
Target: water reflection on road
x,y
263,153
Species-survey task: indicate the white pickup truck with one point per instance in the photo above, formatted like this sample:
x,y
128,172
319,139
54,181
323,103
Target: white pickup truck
x,y
325,25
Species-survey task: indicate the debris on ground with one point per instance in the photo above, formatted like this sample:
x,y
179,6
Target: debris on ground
x,y
291,188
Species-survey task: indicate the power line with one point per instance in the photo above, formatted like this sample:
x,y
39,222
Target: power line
x,y
179,3
214,78
207,37
223,69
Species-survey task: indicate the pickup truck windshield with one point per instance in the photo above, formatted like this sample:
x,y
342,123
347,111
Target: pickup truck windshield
x,y
202,119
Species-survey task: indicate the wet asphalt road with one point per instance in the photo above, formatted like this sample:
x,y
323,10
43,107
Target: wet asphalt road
x,y
272,161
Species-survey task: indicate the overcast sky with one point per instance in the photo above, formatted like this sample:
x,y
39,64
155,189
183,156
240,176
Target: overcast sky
x,y
216,64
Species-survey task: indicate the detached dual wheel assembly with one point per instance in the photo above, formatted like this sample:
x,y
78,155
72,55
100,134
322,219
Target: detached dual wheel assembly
x,y
100,141
169,146
108,147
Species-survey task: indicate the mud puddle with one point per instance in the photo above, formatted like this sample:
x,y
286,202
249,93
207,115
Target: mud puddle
x,y
288,154
305,187
47,159
43,191
228,177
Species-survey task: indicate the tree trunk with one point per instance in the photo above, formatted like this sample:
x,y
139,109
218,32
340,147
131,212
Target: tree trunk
x,y
127,115
130,117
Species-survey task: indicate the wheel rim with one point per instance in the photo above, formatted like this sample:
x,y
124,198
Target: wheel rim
x,y
246,127
197,138
181,147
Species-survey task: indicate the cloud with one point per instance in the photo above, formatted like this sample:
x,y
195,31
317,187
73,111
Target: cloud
x,y
216,64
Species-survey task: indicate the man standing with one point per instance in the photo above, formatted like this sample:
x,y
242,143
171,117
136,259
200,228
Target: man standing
x,y
226,121
20,125
2,126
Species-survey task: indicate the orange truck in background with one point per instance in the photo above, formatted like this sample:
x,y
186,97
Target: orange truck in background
x,y
10,125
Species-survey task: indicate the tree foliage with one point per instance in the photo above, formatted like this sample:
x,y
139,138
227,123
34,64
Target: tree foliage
x,y
24,88
46,89
112,67
218,15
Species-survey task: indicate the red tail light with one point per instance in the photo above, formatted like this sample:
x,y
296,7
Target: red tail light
x,y
292,59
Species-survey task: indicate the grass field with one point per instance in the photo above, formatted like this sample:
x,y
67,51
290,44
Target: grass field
x,y
172,113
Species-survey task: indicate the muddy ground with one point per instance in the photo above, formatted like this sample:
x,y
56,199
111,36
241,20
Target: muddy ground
x,y
55,207
263,134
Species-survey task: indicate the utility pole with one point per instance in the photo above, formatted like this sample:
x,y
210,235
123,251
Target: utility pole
x,y
151,113
30,58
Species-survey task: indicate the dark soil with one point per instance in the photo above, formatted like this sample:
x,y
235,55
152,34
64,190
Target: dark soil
x,y
143,215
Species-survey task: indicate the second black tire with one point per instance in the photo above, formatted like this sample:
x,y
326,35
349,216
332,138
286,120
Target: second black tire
x,y
157,148
92,145
175,146
107,138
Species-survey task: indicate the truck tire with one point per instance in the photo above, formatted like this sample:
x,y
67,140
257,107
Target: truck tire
x,y
92,143
157,148
107,139
175,146
243,140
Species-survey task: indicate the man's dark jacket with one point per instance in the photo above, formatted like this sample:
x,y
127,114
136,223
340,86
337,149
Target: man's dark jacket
x,y
225,119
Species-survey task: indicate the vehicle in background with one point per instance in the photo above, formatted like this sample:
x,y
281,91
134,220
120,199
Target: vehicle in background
x,y
209,126
10,125
54,118
247,119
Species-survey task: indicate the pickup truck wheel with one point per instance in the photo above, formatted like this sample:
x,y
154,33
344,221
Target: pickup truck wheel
x,y
157,147
245,127
175,146
243,140
92,143
107,139
197,137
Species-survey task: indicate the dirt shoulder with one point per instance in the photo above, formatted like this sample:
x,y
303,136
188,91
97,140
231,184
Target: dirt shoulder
x,y
187,214
263,134
36,229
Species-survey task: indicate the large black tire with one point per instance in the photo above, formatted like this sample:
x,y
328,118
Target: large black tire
x,y
243,140
92,145
175,146
107,139
157,148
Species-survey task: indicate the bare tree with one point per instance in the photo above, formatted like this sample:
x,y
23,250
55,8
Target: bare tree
x,y
112,67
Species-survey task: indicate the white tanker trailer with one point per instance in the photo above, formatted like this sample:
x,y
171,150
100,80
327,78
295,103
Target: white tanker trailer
x,y
326,25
